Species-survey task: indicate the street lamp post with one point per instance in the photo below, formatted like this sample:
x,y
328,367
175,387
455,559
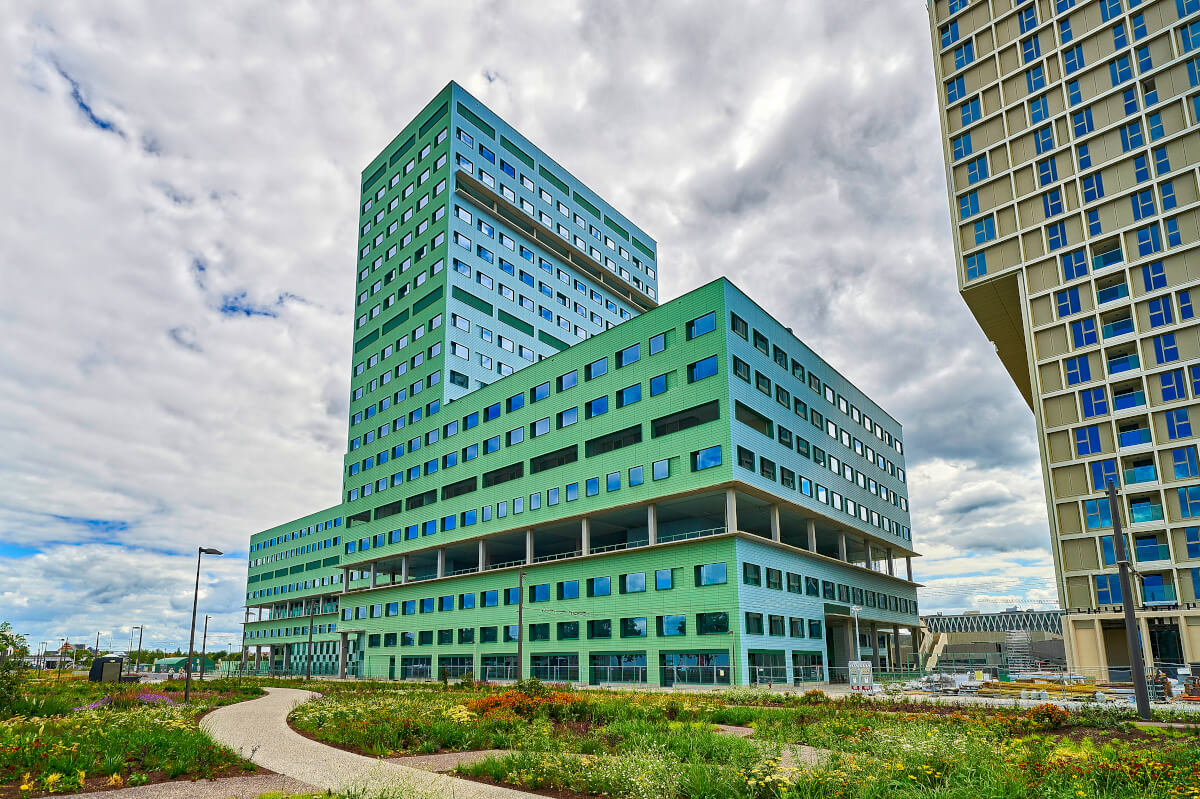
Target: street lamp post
x,y
129,651
204,645
137,661
187,686
1136,667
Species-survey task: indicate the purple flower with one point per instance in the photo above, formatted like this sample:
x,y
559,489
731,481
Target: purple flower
x,y
150,698
104,700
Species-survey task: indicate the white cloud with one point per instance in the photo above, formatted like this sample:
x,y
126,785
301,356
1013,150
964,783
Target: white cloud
x,y
791,146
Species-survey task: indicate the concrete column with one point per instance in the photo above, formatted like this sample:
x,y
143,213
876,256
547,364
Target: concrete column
x,y
1188,655
287,658
528,546
404,569
811,524
343,655
585,535
257,657
896,645
842,547
652,523
345,580
891,560
776,533
873,631
1147,650
908,564
441,562
731,522
372,583
914,634
1101,651
852,652
482,557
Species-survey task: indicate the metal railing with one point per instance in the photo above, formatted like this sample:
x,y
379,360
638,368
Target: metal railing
x,y
662,539
493,673
1123,364
1145,512
1112,293
610,547
467,570
556,673
808,674
768,674
633,674
1131,438
1117,328
1141,474
1129,399
1107,259
508,564
696,675
1159,593
1147,552
559,556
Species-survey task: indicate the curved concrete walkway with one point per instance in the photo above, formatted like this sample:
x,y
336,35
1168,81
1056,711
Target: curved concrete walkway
x,y
258,730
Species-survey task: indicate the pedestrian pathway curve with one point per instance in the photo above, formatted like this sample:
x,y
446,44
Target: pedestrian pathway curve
x,y
258,730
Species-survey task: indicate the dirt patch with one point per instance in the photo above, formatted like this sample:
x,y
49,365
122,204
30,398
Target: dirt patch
x,y
95,784
580,729
1123,734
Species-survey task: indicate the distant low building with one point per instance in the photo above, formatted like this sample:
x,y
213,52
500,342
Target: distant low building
x,y
1012,640
178,665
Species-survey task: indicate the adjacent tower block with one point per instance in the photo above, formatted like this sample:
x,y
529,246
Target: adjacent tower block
x,y
1070,145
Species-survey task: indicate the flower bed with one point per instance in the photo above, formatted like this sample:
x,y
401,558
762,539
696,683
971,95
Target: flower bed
x,y
78,735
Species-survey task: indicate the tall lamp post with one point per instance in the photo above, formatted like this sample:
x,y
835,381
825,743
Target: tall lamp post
x,y
1136,667
137,661
204,645
187,686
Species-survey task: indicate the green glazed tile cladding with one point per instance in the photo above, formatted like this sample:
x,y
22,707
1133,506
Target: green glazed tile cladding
x,y
596,419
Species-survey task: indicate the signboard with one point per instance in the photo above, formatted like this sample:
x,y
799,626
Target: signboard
x,y
861,676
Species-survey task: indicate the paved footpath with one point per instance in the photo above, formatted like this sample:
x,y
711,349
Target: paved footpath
x,y
258,730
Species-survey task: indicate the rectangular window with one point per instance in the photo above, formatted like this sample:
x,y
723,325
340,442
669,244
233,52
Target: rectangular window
x,y
710,574
751,574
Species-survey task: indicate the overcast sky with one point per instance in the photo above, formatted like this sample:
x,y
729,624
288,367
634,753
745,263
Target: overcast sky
x,y
177,245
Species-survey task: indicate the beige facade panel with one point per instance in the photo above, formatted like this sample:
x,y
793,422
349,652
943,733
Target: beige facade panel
x,y
1069,520
1070,481
1050,377
1060,446
1041,311
1079,593
1051,342
1080,555
1059,411
1041,276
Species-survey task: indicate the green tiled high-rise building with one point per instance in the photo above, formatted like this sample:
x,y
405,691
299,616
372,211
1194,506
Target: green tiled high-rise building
x,y
684,492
